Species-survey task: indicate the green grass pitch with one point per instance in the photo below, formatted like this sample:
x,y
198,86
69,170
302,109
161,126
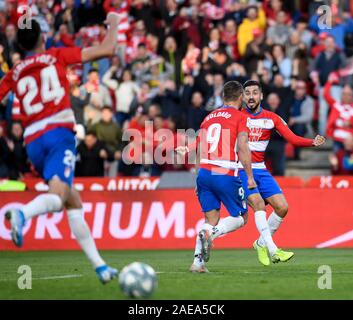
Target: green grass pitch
x,y
235,274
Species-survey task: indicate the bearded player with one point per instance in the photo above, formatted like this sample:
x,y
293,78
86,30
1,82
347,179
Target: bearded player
x,y
261,123
41,86
222,138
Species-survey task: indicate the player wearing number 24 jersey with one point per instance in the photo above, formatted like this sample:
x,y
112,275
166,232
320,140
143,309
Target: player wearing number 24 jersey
x,y
40,84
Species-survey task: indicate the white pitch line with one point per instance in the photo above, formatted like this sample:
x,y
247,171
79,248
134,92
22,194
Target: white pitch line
x,y
66,276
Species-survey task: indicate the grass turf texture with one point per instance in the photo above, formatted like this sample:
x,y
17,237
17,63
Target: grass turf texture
x,y
235,274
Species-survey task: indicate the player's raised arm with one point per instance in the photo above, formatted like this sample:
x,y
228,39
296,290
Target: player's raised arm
x,y
107,47
333,78
245,157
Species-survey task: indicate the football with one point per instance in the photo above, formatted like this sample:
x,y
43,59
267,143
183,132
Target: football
x,y
138,280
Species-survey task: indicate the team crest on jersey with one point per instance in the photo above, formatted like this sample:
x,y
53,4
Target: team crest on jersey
x,y
255,132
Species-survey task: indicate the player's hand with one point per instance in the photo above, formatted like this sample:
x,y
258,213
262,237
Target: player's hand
x,y
112,19
251,184
182,150
319,140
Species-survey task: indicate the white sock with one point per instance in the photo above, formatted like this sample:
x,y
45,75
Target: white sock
x,y
227,225
41,204
197,254
263,228
83,236
274,221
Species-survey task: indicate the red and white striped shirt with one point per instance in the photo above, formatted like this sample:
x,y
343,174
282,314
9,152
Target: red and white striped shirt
x,y
124,23
260,126
340,121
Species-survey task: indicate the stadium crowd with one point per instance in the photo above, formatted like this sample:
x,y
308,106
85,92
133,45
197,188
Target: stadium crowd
x,y
172,60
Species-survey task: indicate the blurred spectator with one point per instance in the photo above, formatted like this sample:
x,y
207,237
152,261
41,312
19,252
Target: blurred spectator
x,y
230,39
278,63
99,97
173,56
78,103
301,63
279,32
109,132
328,61
342,160
17,162
143,99
255,51
215,101
305,35
320,46
272,9
255,19
125,90
140,64
196,111
168,98
8,41
302,112
340,122
68,15
91,154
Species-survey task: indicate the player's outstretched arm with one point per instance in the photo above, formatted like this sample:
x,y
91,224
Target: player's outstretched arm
x,y
107,47
245,157
291,137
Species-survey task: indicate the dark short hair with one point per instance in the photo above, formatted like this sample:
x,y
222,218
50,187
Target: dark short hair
x,y
232,90
91,133
251,83
93,70
28,38
107,108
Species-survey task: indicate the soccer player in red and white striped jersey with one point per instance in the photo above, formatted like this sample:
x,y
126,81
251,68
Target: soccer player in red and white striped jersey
x,y
41,86
261,123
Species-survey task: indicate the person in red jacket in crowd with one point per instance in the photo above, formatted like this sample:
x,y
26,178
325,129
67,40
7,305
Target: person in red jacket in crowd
x,y
320,46
340,121
342,161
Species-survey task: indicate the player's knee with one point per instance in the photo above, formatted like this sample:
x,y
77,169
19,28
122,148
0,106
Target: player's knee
x,y
258,204
282,210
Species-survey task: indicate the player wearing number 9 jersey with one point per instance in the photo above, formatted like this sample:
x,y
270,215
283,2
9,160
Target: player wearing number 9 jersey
x,y
222,139
40,84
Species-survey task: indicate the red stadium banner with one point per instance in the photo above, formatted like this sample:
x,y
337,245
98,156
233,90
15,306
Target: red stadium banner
x,y
100,184
169,219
